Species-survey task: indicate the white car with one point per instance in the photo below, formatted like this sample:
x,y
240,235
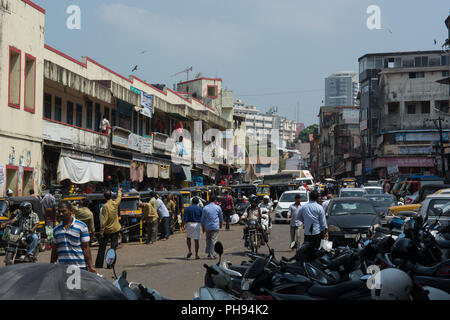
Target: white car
x,y
374,190
285,201
352,192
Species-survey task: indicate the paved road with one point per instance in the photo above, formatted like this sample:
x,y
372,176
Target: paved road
x,y
163,266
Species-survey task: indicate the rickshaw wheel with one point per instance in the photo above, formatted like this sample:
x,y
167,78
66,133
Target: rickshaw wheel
x,y
8,259
125,237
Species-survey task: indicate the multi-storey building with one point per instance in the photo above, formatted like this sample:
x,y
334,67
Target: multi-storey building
x,y
341,89
398,93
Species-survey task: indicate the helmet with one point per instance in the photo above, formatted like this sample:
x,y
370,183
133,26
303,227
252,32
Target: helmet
x,y
9,193
411,229
254,199
266,197
26,207
392,284
404,250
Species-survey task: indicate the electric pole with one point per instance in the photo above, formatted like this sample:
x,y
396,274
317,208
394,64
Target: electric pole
x,y
438,124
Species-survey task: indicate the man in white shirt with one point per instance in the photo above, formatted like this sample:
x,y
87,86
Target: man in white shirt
x,y
326,202
296,225
104,124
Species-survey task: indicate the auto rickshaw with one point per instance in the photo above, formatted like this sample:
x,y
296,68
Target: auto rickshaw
x,y
240,190
263,190
10,207
130,217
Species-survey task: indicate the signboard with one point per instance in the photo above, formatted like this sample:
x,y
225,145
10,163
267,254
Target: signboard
x,y
138,143
420,136
363,125
392,169
358,169
415,150
146,102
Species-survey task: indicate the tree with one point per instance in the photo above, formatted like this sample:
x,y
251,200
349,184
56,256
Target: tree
x,y
303,136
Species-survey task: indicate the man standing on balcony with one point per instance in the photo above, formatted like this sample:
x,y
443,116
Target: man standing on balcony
x,y
104,124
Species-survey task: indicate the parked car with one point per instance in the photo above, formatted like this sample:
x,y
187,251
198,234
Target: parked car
x,y
382,203
350,219
436,207
352,192
286,199
373,189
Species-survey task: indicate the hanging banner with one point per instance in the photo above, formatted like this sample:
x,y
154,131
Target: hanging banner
x,y
147,103
2,178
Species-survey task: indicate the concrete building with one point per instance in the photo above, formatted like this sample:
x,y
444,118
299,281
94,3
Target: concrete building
x,y
341,89
398,92
22,26
339,141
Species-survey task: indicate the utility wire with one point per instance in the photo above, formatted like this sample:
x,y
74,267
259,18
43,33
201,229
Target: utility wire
x,y
279,93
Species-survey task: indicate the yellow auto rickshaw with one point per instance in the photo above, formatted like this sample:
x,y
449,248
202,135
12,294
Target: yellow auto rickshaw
x,y
130,216
263,190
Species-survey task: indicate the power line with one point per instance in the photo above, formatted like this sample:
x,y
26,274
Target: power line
x,y
279,93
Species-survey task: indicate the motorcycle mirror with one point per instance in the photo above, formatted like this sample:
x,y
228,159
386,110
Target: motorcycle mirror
x,y
110,258
218,248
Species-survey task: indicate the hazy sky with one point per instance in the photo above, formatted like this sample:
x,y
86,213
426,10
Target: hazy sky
x,y
270,53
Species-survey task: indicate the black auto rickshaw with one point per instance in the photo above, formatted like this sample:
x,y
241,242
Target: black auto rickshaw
x,y
240,190
10,207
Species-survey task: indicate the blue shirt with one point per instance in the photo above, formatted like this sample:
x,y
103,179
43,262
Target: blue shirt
x,y
193,213
293,213
70,241
313,216
212,217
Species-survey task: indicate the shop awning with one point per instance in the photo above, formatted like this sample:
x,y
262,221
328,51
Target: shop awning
x,y
78,171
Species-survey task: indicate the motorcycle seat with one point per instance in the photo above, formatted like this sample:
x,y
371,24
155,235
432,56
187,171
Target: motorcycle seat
x,y
293,268
334,291
439,283
428,271
443,244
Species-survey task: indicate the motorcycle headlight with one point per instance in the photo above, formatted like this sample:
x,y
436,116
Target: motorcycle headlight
x,y
246,284
334,228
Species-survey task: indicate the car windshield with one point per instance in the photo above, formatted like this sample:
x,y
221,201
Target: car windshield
x,y
352,193
383,202
290,197
352,207
128,204
374,191
3,208
437,204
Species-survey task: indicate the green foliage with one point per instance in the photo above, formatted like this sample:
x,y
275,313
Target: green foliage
x,y
303,136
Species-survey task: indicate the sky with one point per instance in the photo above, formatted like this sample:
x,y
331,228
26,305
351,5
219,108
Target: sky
x,y
269,53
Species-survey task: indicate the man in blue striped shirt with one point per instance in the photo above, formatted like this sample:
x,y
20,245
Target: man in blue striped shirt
x,y
71,240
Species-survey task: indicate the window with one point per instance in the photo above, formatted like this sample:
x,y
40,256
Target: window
x,y
58,106
421,61
69,113
113,118
97,117
89,114
411,108
443,105
425,106
393,108
106,113
413,75
445,73
135,115
30,83
79,116
14,78
27,181
12,179
47,106
141,125
437,205
147,126
445,60
212,92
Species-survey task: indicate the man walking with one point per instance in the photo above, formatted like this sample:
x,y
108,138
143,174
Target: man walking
x,y
313,218
150,217
71,240
212,219
227,208
110,225
48,204
297,233
85,215
164,215
191,223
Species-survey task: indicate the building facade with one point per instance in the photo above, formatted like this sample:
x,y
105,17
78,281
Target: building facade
x,y
341,89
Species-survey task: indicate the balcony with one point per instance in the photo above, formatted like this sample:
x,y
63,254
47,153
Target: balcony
x,y
79,138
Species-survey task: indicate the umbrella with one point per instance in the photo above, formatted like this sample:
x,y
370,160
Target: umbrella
x,y
44,281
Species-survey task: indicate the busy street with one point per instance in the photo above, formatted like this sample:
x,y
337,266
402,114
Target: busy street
x,y
245,151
